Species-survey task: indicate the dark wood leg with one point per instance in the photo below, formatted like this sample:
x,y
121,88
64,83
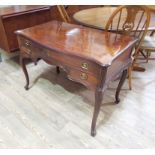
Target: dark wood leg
x,y
57,69
98,101
121,82
22,62
36,61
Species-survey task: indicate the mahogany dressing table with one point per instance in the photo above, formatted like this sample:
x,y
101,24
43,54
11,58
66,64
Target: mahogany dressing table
x,y
89,56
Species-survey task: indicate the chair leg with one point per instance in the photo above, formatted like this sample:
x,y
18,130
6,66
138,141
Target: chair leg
x,y
148,55
145,56
130,77
0,58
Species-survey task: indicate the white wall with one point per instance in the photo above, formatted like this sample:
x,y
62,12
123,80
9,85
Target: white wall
x,y
1,6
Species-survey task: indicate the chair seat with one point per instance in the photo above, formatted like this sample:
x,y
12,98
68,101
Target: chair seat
x,y
148,43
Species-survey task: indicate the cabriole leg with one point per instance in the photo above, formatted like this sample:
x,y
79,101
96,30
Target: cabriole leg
x,y
98,101
57,69
121,82
22,62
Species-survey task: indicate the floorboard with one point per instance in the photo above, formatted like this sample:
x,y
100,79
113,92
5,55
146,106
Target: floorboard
x,y
56,112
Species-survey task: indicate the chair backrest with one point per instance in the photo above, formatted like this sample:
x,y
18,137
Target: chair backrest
x,y
131,20
63,13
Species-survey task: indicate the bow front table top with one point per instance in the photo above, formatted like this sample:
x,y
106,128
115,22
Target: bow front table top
x,y
89,56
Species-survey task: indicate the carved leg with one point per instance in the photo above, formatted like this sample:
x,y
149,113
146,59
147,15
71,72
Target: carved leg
x,y
57,69
36,61
22,62
98,101
130,77
123,77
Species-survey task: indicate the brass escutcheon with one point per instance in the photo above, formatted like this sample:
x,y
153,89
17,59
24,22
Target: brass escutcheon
x,y
84,65
83,76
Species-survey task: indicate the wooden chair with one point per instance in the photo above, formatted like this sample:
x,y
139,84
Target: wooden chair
x,y
63,13
148,46
130,20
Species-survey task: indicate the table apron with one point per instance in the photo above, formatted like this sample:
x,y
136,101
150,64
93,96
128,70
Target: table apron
x,y
78,69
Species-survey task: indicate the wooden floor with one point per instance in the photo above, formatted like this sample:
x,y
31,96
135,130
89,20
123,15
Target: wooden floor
x,y
57,113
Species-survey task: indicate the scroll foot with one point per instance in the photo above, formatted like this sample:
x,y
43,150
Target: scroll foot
x,y
98,101
121,82
22,62
57,69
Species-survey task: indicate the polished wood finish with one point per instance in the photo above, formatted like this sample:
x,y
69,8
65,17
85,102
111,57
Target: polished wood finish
x,y
17,17
98,18
66,13
19,9
131,20
91,57
13,18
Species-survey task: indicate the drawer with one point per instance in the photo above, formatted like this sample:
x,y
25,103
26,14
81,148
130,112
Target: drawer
x,y
30,48
34,50
84,78
75,62
26,46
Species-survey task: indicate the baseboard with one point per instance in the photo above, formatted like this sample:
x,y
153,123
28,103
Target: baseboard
x,y
5,55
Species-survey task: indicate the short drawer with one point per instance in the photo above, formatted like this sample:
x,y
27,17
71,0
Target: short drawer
x,y
75,62
83,77
30,48
25,45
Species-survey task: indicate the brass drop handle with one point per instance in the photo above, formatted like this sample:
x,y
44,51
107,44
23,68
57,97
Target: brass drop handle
x,y
84,66
28,51
27,43
83,76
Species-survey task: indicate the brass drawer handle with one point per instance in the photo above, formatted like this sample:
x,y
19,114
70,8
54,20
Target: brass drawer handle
x,y
83,76
25,50
28,51
27,43
84,65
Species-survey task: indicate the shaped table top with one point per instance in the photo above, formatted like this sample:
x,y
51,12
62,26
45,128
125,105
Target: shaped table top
x,y
96,45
